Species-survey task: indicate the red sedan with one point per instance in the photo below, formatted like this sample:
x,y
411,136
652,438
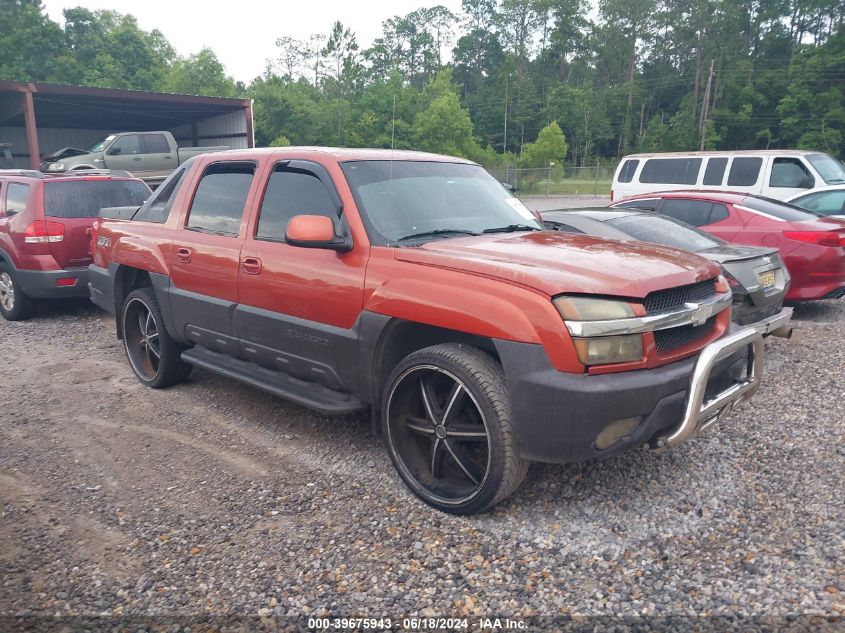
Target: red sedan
x,y
812,247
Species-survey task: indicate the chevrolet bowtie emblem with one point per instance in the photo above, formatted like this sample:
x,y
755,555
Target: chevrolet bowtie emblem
x,y
700,313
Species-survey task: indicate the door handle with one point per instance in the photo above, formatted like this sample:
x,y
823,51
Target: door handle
x,y
183,255
251,265
137,158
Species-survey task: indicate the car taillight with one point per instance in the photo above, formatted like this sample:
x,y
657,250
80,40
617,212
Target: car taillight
x,y
41,232
822,238
611,195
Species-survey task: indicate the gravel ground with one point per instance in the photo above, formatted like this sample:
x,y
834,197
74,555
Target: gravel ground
x,y
212,498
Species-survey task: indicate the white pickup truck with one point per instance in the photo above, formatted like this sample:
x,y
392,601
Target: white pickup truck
x,y
151,156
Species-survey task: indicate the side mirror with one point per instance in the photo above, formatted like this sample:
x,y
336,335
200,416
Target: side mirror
x,y
114,151
509,187
808,182
315,231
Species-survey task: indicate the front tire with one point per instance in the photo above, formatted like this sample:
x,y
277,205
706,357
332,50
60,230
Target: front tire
x,y
153,355
447,423
14,304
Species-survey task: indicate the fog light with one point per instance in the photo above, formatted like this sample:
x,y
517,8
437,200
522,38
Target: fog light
x,y
615,431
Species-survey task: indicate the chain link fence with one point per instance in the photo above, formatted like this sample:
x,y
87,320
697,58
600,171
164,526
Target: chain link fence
x,y
594,180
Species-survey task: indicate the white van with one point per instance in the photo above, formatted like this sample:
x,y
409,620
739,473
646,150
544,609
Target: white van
x,y
776,174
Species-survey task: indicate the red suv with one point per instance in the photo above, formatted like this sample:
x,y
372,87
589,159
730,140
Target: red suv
x,y
45,232
812,247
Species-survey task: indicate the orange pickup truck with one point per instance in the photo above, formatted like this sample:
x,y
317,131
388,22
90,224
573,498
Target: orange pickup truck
x,y
417,286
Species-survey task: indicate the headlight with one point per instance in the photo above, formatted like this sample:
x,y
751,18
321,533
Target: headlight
x,y
603,350
589,309
56,167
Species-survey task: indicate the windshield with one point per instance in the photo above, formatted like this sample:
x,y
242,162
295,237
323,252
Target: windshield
x,y
101,145
780,210
85,198
830,169
399,199
665,231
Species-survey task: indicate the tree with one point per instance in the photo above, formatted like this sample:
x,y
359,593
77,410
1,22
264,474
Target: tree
x,y
30,44
444,127
550,147
200,74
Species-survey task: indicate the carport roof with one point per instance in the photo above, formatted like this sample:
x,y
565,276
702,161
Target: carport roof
x,y
59,106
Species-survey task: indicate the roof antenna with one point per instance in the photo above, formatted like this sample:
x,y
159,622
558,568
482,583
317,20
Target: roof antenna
x,y
392,135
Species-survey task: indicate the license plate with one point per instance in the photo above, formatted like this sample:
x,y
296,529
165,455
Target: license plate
x,y
767,279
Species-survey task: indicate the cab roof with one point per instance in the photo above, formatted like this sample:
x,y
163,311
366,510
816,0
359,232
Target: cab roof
x,y
342,154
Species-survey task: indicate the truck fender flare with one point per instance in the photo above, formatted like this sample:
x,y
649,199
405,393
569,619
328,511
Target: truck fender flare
x,y
137,253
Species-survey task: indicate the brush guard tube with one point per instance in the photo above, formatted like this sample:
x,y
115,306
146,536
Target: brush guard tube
x,y
698,414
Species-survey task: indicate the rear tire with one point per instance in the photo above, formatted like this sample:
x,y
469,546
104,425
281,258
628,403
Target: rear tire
x,y
447,423
14,304
155,358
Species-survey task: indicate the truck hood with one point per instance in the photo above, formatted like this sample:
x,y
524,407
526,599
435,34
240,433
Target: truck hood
x,y
553,262
65,152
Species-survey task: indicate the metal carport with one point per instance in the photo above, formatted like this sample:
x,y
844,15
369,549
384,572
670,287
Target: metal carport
x,y
36,118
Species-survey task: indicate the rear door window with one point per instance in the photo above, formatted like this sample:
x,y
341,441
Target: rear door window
x,y
85,198
744,171
671,171
220,198
155,144
290,193
693,212
626,174
790,173
714,173
17,195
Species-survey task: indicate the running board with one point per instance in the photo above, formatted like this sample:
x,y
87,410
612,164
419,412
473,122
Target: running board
x,y
310,394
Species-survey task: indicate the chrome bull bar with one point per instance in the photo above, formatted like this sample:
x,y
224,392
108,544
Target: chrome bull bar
x,y
699,414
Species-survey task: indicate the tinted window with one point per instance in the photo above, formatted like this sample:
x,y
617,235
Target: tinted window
x,y
85,198
671,171
291,193
219,201
127,145
156,144
626,174
718,213
694,212
778,209
790,172
665,231
714,173
826,202
744,171
158,207
16,196
650,204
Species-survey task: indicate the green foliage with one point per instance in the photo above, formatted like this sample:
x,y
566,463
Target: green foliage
x,y
614,75
550,147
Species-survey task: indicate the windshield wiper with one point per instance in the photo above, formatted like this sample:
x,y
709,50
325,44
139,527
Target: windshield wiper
x,y
511,228
435,233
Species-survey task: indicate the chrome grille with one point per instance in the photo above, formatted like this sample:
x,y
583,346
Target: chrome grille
x,y
673,299
673,338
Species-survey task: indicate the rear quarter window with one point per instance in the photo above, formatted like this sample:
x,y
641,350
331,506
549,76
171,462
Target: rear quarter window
x,y
17,196
626,174
671,171
85,198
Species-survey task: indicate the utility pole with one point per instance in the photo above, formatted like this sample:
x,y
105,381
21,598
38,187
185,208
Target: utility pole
x,y
705,109
505,139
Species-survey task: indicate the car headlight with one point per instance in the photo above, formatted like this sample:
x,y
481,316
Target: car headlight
x,y
601,350
590,309
56,167
604,350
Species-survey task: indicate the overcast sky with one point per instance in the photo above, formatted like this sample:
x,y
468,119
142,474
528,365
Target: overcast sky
x,y
243,33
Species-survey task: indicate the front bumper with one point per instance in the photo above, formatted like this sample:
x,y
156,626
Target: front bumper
x,y
43,284
558,416
779,324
